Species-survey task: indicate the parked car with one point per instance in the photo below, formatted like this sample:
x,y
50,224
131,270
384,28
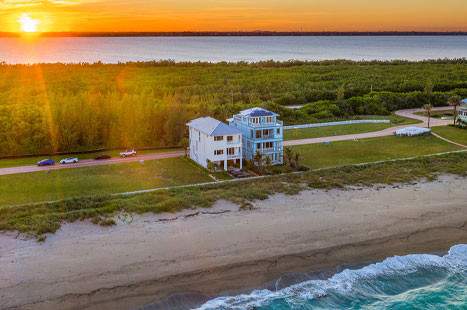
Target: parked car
x,y
46,162
69,160
103,157
128,153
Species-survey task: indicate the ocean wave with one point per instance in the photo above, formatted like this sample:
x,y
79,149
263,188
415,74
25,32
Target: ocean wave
x,y
390,277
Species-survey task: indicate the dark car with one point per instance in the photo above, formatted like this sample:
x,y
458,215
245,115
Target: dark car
x,y
46,162
103,157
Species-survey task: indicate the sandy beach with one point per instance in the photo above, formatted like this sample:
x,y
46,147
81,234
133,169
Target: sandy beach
x,y
222,250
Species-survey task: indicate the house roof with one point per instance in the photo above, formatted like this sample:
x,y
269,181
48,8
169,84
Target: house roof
x,y
213,127
255,112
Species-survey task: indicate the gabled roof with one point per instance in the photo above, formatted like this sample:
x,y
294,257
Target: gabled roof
x,y
213,127
255,112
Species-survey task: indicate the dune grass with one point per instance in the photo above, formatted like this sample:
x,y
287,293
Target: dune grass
x,y
455,134
98,180
368,150
38,220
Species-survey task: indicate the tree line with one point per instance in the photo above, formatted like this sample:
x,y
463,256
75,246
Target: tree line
x,y
49,108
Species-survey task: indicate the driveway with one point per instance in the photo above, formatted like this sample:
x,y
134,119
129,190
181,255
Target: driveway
x,y
91,163
409,113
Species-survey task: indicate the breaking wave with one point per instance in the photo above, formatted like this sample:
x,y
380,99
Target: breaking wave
x,y
411,281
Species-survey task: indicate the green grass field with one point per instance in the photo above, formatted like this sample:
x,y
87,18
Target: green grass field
x,y
367,150
26,161
67,183
452,133
38,220
306,133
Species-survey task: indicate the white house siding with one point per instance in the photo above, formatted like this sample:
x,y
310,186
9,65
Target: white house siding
x,y
203,146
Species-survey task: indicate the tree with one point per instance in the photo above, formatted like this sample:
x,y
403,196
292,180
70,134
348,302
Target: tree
x,y
428,109
454,101
211,166
288,154
258,160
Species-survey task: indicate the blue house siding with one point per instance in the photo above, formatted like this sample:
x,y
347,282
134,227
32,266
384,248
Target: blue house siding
x,y
261,131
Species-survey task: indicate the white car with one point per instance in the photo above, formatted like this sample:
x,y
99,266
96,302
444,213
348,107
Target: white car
x,y
128,153
69,160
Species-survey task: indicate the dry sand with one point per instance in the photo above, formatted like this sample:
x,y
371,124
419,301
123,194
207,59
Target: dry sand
x,y
144,259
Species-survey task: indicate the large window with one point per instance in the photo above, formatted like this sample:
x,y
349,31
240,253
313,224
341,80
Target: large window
x,y
218,152
268,145
258,134
229,138
218,138
269,119
231,151
255,120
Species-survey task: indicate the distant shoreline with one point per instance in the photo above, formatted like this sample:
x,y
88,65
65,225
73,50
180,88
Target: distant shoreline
x,y
236,34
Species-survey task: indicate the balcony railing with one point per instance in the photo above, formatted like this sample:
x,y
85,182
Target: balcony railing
x,y
277,123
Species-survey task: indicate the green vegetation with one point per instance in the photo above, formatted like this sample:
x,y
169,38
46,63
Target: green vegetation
x,y
32,160
37,220
437,114
296,134
452,133
99,180
368,150
66,108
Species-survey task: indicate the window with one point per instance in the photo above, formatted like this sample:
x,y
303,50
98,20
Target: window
x,y
218,138
266,132
231,151
268,145
258,146
269,119
218,152
258,134
255,120
251,133
229,138
199,136
278,131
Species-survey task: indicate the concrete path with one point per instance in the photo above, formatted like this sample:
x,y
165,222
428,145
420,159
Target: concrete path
x,y
91,163
409,113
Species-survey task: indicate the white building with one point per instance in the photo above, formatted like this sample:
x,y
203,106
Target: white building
x,y
212,140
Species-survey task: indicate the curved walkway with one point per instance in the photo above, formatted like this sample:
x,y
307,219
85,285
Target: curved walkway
x,y
409,113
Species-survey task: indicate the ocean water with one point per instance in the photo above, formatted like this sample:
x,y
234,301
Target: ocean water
x,y
419,281
230,49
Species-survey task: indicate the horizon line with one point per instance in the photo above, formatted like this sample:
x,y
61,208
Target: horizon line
x,y
230,33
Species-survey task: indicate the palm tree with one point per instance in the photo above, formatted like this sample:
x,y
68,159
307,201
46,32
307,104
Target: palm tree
x,y
428,108
454,101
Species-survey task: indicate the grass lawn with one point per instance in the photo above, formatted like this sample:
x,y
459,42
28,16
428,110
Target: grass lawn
x,y
437,114
306,133
26,161
452,133
38,220
367,150
88,181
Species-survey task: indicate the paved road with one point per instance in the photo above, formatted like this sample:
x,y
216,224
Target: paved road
x,y
409,113
91,163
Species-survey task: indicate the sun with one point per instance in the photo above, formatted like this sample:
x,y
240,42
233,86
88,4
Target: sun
x,y
27,23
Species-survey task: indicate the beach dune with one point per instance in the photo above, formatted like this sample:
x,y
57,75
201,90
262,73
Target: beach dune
x,y
222,250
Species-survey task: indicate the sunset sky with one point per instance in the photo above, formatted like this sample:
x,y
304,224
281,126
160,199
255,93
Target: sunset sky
x,y
233,15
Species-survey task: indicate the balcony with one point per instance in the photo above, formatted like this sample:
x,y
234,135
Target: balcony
x,y
265,125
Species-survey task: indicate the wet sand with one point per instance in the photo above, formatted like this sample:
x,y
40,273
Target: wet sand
x,y
222,250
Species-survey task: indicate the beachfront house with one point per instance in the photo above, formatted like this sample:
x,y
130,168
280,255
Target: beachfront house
x,y
216,142
261,132
462,115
